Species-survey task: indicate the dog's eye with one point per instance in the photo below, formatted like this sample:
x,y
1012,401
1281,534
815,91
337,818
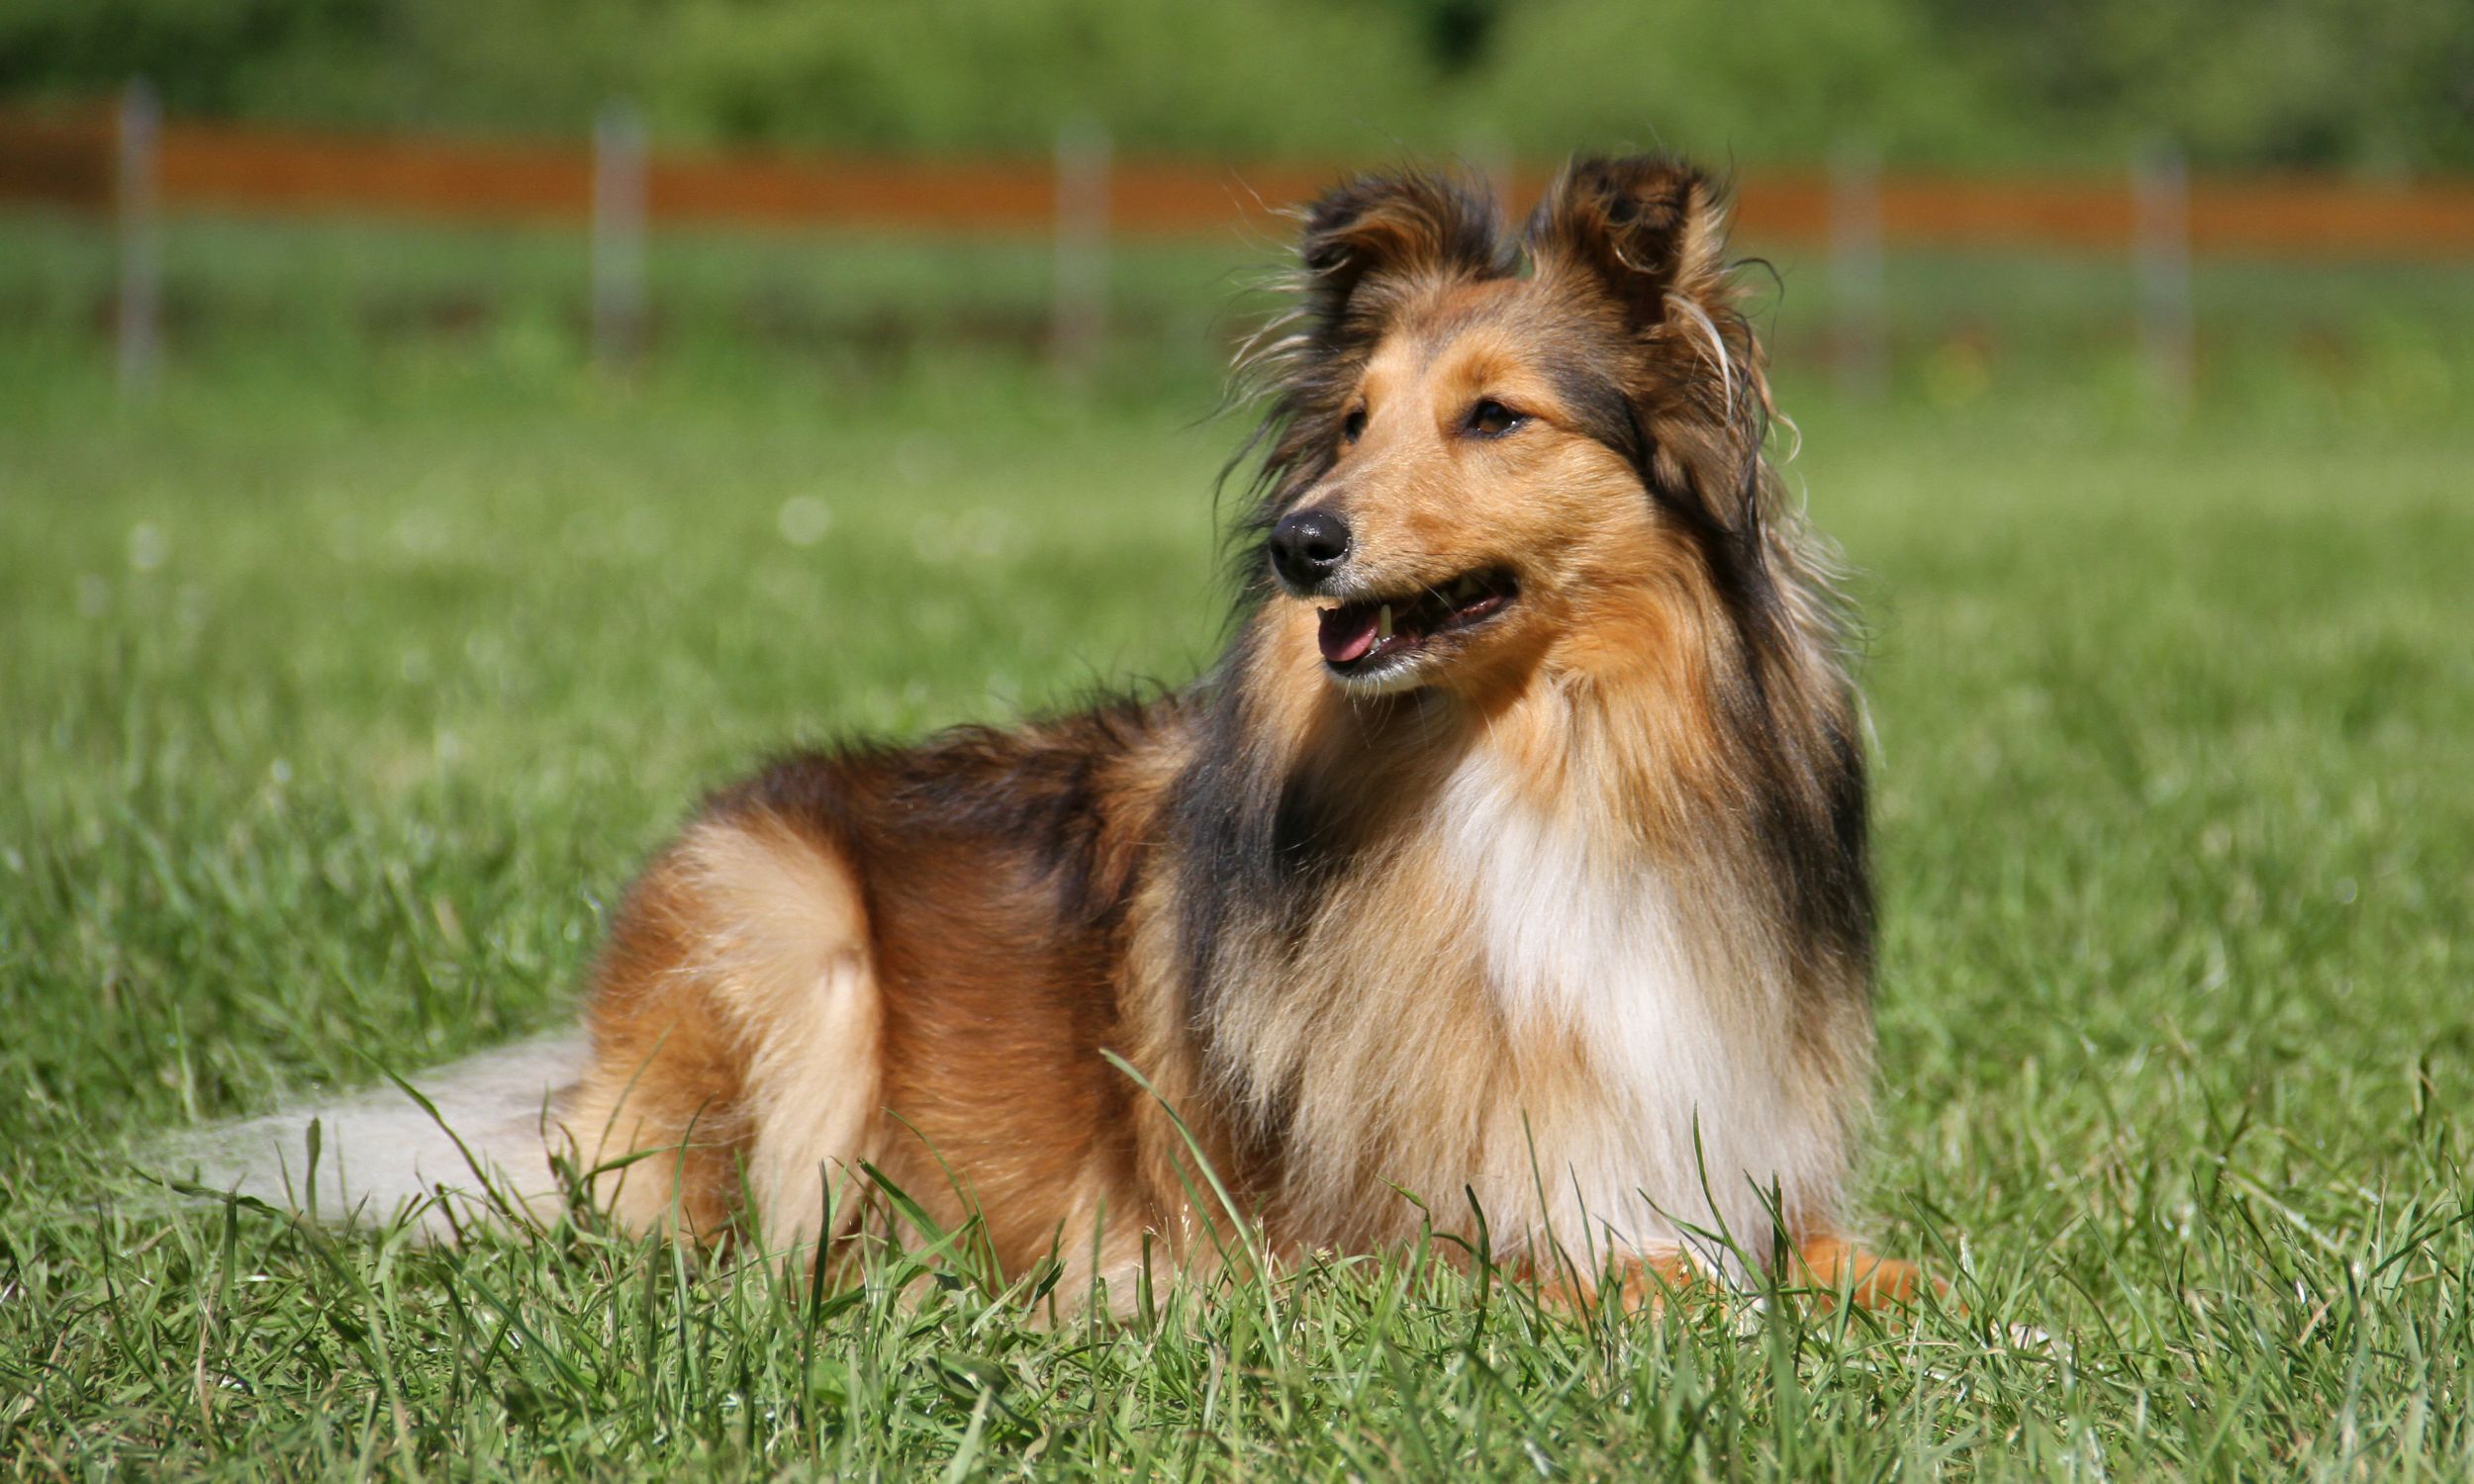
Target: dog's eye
x,y
1353,427
1491,419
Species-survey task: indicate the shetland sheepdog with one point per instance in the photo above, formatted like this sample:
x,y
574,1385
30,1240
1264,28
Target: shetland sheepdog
x,y
1508,871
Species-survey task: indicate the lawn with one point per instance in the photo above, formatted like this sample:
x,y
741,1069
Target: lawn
x,y
341,687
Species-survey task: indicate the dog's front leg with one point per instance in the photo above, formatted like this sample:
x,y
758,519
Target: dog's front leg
x,y
1832,1264
1829,1263
1636,1283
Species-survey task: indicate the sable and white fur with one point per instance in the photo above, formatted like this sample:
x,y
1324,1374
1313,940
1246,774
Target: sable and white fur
x,y
1558,898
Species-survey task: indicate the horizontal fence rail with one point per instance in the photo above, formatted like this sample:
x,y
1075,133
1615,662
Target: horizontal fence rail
x,y
70,162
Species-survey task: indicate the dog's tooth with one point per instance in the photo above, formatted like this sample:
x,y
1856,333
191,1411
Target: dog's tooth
x,y
1383,623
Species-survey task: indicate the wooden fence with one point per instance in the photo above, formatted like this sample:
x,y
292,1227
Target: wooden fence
x,y
70,162
126,160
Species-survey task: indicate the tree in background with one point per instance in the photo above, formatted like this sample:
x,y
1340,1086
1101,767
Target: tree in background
x,y
2333,84
2373,84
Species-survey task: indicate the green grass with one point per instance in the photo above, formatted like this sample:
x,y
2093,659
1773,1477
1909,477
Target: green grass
x,y
339,702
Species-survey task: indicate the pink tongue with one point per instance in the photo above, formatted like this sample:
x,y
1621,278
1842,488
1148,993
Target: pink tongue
x,y
1348,632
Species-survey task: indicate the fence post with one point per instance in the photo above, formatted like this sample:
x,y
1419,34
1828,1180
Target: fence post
x,y
1857,289
139,314
618,203
2161,194
1081,328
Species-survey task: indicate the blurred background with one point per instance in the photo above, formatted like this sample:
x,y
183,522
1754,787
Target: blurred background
x,y
1950,194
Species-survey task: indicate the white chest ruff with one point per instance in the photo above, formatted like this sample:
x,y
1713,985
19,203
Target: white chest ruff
x,y
1688,1121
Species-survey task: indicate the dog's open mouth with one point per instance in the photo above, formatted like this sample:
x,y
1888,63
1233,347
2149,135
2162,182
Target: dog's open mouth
x,y
1357,637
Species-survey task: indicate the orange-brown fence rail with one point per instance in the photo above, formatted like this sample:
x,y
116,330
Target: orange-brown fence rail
x,y
223,167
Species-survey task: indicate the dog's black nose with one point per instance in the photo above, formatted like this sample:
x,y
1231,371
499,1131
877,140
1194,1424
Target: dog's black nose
x,y
1308,545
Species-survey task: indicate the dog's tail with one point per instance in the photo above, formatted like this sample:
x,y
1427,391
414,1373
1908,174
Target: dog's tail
x,y
473,1142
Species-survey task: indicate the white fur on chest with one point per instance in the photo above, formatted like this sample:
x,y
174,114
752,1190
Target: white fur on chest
x,y
1684,1120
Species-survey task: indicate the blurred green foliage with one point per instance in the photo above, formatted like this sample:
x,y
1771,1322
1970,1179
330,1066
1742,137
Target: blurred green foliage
x,y
2377,85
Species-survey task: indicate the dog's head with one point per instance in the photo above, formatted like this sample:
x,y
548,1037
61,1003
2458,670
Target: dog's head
x,y
1484,444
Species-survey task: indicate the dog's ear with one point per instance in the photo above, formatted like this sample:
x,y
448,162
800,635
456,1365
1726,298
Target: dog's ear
x,y
1376,237
1368,249
1648,236
1647,230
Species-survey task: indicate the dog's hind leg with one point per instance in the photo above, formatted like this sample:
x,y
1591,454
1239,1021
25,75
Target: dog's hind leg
x,y
736,1026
